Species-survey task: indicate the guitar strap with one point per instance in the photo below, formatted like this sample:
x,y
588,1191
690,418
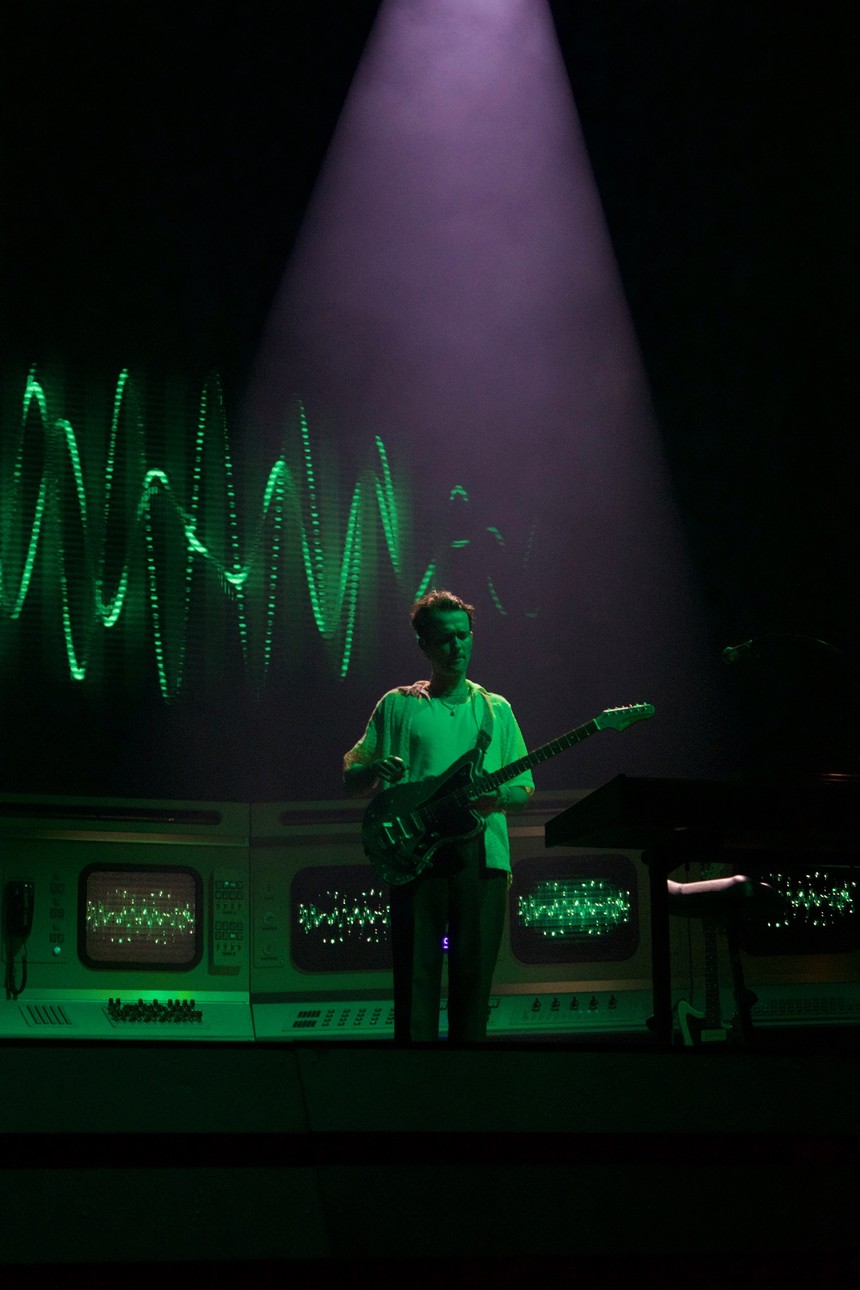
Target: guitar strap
x,y
485,733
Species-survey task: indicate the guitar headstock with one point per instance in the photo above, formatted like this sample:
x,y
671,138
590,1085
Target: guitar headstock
x,y
621,718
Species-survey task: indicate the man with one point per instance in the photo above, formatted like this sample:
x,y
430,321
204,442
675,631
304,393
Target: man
x,y
416,733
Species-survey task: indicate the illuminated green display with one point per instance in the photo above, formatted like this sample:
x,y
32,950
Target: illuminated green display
x,y
574,908
129,540
814,899
140,918
340,920
152,916
816,913
340,916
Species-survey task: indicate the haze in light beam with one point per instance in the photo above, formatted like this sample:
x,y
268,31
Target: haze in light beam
x,y
454,289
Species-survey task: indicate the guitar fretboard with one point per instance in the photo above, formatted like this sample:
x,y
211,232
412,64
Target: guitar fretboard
x,y
494,779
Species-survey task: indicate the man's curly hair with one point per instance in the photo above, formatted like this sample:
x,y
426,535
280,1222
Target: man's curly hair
x,y
423,607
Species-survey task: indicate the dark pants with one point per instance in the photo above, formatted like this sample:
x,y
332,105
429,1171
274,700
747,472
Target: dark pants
x,y
459,897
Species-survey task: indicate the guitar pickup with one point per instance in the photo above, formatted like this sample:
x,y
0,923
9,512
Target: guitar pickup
x,y
395,831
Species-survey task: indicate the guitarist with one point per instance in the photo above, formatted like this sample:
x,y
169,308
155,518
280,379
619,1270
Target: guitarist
x,y
416,732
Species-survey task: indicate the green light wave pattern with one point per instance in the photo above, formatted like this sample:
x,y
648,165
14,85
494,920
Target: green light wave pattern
x,y
135,523
133,916
340,917
57,524
816,899
574,909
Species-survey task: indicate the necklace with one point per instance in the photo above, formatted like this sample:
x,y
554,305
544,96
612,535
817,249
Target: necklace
x,y
455,707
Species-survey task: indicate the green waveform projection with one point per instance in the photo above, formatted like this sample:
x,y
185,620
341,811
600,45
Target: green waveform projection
x,y
478,553
135,528
132,916
574,909
815,900
339,916
339,921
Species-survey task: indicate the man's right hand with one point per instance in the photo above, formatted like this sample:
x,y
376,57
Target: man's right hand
x,y
362,777
390,769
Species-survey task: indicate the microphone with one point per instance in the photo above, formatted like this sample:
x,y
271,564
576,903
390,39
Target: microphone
x,y
738,653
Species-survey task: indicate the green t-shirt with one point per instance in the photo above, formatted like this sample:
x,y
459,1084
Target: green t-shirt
x,y
429,735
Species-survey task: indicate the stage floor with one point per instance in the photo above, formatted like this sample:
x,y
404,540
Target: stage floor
x,y
599,1156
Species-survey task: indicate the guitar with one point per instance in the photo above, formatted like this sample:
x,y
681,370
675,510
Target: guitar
x,y
404,826
696,1027
706,1027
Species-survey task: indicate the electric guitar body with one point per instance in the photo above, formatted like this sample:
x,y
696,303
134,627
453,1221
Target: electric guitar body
x,y
404,826
695,1029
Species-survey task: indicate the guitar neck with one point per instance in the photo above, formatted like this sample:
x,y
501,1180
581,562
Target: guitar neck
x,y
494,779
713,1008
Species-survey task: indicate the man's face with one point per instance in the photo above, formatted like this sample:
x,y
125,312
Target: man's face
x,y
448,643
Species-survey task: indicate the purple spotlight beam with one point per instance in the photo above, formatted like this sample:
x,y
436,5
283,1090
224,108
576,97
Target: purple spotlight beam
x,y
454,290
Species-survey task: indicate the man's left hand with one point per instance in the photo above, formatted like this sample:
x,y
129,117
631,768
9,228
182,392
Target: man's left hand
x,y
486,805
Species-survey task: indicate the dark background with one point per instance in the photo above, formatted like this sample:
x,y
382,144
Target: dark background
x,y
156,161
